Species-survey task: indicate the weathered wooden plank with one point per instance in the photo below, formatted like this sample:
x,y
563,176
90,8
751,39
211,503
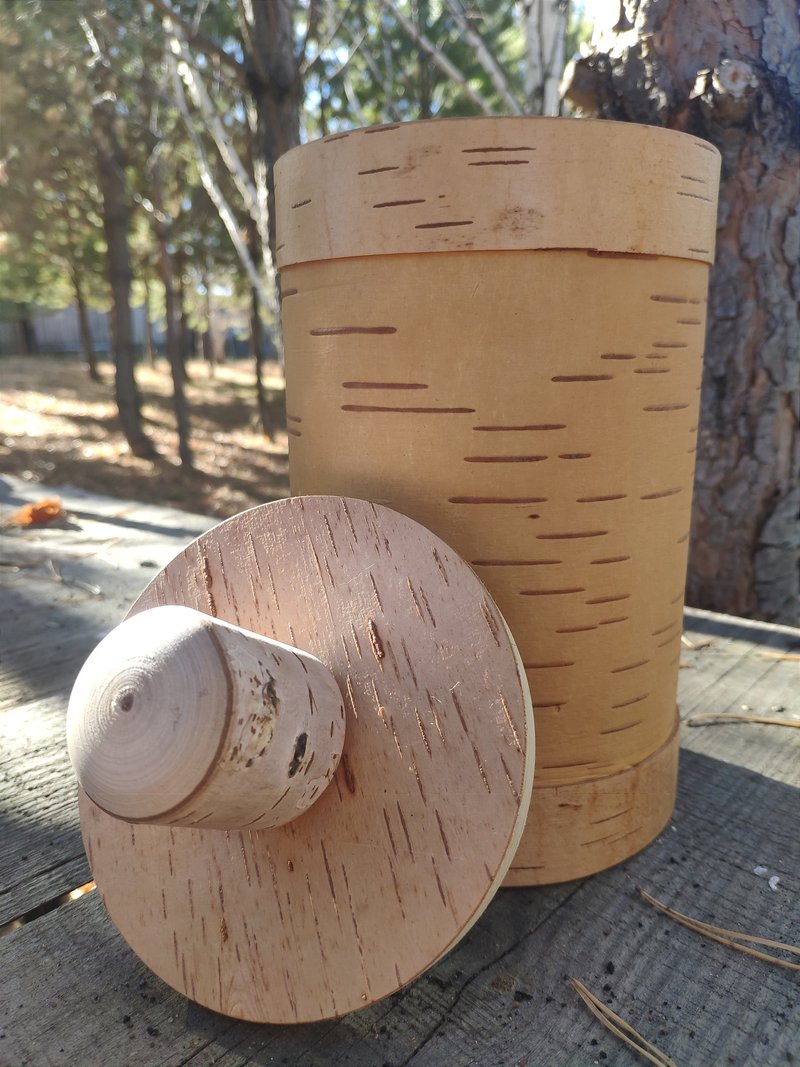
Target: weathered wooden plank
x,y
502,996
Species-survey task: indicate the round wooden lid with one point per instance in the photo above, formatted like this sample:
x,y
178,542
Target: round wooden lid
x,y
404,850
503,183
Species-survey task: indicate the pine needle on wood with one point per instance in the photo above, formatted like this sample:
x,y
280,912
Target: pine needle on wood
x,y
721,717
780,655
731,938
617,1025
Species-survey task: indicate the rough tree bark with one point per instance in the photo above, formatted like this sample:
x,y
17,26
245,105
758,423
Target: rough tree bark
x,y
116,223
175,352
729,71
272,73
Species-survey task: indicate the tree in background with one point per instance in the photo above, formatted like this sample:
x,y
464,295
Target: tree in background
x,y
730,73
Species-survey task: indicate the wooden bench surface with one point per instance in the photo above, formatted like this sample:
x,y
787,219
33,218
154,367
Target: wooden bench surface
x,y
72,992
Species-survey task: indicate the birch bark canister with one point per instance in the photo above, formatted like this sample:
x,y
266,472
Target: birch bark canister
x,y
496,327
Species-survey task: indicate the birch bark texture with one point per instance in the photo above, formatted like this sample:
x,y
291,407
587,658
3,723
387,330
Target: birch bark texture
x,y
496,327
729,71
402,852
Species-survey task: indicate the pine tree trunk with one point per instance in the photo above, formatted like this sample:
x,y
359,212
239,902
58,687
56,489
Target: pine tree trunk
x,y
83,325
274,81
728,72
256,349
173,326
116,222
149,338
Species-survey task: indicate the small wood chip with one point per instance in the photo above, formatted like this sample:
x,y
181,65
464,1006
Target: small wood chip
x,y
722,717
42,511
617,1025
731,938
694,645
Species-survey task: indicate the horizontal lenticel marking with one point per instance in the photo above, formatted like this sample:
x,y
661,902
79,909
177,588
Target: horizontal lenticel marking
x,y
689,322
293,433
378,170
336,137
301,203
610,622
629,666
610,559
532,426
288,292
504,459
551,592
582,378
496,499
384,385
667,298
670,344
341,331
696,196
601,499
673,491
576,629
410,411
633,700
499,148
652,370
617,355
294,418
547,666
383,129
443,225
705,251
500,163
398,203
656,355
620,729
683,538
575,455
665,407
539,706
691,178
571,536
515,562
608,599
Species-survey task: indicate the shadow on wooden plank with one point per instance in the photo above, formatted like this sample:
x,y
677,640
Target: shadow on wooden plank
x,y
501,997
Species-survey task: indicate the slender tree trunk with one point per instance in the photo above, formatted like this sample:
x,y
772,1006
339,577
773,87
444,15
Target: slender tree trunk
x,y
173,323
728,72
116,222
26,332
545,29
149,338
256,349
209,341
83,326
179,288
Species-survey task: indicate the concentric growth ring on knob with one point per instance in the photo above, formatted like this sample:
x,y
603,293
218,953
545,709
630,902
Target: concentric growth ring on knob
x,y
398,857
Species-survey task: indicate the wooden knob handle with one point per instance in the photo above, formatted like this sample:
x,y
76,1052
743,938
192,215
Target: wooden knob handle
x,y
181,719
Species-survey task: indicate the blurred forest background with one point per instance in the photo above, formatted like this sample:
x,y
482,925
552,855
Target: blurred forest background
x,y
136,155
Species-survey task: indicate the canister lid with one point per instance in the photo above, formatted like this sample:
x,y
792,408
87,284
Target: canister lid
x,y
506,183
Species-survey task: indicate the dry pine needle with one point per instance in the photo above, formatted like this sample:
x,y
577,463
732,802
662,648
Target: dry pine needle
x,y
731,938
719,718
617,1026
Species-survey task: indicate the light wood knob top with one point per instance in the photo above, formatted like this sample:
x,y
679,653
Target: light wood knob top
x,y
181,719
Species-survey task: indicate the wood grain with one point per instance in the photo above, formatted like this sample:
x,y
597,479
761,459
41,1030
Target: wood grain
x,y
400,855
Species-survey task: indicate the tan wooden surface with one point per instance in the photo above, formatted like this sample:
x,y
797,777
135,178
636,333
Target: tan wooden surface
x,y
527,386
71,991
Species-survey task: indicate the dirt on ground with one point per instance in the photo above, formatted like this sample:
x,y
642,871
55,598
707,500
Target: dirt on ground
x,y
60,428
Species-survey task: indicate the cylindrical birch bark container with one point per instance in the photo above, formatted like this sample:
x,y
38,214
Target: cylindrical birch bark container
x,y
496,326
